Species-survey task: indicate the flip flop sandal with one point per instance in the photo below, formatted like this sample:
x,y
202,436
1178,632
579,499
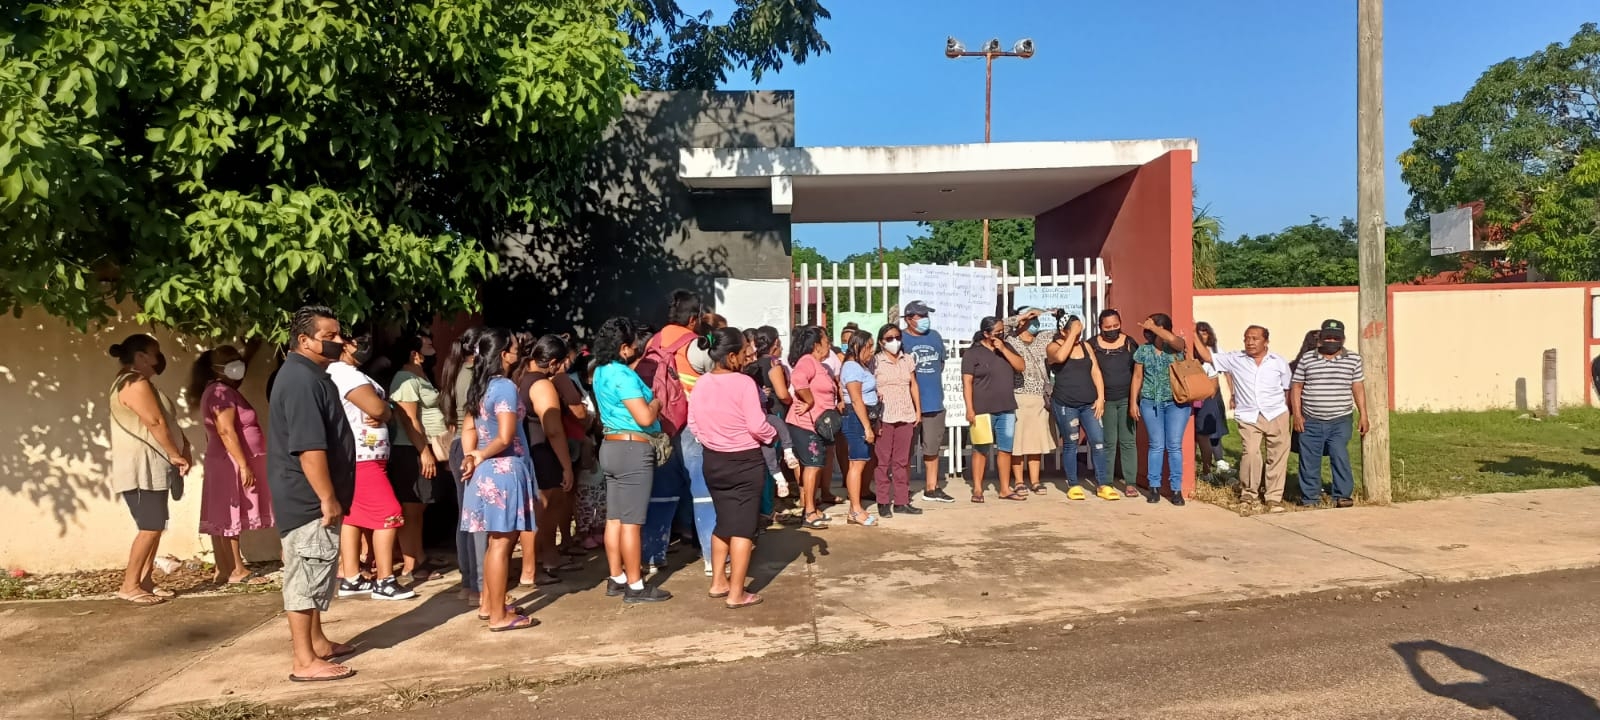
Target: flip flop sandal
x,y
1077,493
977,499
327,674
523,622
717,596
750,600
339,650
871,521
144,599
1014,495
162,592
1037,489
251,579
819,523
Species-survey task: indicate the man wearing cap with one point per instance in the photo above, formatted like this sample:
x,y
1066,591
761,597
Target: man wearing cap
x,y
1260,379
924,345
1327,390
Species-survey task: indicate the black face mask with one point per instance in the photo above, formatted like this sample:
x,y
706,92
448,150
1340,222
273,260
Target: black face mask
x,y
428,363
161,364
362,354
331,350
1330,347
1111,335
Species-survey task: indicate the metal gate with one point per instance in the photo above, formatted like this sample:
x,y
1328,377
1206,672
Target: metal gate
x,y
825,291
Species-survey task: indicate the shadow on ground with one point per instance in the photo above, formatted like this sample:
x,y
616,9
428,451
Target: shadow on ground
x,y
1514,691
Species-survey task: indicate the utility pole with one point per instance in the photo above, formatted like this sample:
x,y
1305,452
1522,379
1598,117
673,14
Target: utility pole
x,y
954,49
1374,294
880,242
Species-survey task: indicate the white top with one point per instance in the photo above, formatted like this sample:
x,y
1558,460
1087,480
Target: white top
x,y
372,443
1258,388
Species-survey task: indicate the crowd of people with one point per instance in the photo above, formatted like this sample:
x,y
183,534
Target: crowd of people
x,y
691,433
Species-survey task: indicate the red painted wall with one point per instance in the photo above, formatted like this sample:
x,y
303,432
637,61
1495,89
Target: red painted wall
x,y
1140,224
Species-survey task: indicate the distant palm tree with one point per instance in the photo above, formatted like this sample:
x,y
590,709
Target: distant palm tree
x,y
1207,234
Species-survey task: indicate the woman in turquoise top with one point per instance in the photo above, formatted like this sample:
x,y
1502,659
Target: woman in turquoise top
x,y
629,414
1164,420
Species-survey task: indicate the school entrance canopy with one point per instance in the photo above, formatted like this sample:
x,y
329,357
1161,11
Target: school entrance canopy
x,y
1128,202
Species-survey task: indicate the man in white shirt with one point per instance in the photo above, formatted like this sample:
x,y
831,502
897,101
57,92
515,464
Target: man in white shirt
x,y
1260,380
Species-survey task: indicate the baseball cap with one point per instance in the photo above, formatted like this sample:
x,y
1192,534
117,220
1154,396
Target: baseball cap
x,y
917,307
1334,328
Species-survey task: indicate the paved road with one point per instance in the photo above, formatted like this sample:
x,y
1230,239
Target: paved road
x,y
1522,648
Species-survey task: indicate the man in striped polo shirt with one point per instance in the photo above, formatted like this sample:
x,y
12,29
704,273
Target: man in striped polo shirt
x,y
1327,390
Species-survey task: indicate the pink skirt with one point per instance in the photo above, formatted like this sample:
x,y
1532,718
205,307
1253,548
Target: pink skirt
x,y
375,506
227,509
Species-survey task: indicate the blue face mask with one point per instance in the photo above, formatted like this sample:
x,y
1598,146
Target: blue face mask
x,y
922,325
1035,327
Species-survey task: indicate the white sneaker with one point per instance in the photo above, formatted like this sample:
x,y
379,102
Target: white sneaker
x,y
783,485
790,460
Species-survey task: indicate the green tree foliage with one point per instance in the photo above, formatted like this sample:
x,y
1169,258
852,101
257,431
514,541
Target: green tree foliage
x,y
1524,142
222,161
1317,254
673,50
1207,236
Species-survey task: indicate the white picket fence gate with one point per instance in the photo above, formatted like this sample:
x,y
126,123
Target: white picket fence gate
x,y
872,291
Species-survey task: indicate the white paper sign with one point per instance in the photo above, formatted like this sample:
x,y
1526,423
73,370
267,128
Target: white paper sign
x,y
955,403
1067,297
960,296
753,303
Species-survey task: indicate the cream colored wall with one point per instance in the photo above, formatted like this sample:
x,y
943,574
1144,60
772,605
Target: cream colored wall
x,y
55,498
1439,365
1436,360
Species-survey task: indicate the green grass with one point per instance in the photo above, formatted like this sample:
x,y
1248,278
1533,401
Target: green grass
x,y
1437,455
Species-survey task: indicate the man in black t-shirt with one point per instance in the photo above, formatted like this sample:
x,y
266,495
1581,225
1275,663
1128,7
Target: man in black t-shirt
x,y
311,472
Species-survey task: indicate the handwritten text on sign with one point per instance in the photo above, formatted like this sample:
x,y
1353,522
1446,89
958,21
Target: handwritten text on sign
x,y
960,296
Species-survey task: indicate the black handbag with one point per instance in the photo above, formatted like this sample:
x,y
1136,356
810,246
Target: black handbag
x,y
828,425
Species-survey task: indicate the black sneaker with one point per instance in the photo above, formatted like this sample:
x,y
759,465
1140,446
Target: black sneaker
x,y
907,510
1154,497
1177,499
885,510
650,594
353,588
937,496
614,588
389,589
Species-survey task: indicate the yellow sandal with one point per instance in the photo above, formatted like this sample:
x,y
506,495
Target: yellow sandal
x,y
1076,493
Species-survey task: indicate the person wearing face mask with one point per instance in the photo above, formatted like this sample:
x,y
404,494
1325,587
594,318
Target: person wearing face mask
x,y
925,347
1327,390
630,417
375,511
1113,354
1164,420
419,448
1260,380
149,457
233,496
989,377
1033,440
896,375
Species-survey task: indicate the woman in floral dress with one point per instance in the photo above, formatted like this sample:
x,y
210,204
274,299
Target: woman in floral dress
x,y
499,496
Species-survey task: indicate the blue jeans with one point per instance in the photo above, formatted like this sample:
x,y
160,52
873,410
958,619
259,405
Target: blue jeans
x,y
705,515
1329,438
1164,423
668,486
1068,420
470,546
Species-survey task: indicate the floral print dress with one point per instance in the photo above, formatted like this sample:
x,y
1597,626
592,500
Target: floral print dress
x,y
499,496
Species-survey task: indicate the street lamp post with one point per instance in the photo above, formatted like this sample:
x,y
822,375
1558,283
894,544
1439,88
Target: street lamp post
x,y
954,49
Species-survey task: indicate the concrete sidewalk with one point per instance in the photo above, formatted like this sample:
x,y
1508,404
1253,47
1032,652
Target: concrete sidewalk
x,y
956,567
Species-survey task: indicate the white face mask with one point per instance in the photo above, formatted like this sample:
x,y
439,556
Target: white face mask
x,y
234,370
892,346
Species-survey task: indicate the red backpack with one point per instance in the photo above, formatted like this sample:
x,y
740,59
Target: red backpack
x,y
659,368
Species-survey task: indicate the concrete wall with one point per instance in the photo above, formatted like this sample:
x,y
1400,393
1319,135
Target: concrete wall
x,y
1436,360
640,232
55,495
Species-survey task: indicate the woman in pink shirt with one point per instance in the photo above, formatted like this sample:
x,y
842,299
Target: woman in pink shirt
x,y
725,415
815,393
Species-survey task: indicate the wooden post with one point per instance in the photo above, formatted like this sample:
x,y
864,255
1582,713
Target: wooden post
x,y
1551,407
1374,297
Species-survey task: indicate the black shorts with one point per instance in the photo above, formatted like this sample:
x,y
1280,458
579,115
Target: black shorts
x,y
546,467
405,476
149,509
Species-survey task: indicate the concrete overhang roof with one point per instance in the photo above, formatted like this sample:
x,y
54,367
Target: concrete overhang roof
x,y
921,182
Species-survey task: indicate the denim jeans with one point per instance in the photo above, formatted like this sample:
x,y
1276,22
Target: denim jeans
x,y
470,546
705,515
1068,420
1329,438
667,487
1164,423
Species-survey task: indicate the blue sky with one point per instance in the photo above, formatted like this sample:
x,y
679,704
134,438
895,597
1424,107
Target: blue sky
x,y
1267,86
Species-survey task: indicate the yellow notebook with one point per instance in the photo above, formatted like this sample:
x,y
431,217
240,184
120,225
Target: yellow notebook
x,y
982,431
